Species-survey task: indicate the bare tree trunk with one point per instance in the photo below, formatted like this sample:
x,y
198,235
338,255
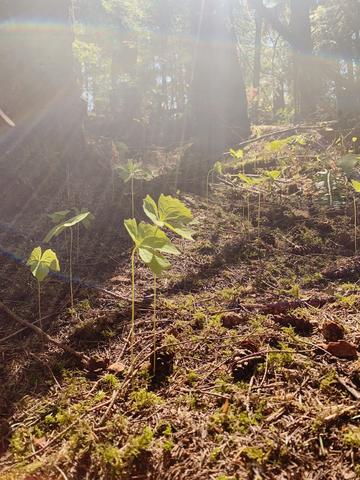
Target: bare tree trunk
x,y
305,91
39,88
218,97
257,66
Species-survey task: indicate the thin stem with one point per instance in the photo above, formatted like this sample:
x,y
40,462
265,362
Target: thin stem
x,y
132,198
71,272
259,215
77,241
132,333
329,188
355,225
248,213
39,304
207,187
154,324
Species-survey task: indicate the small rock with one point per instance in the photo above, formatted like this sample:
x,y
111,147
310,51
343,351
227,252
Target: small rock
x,y
342,349
231,320
117,368
333,331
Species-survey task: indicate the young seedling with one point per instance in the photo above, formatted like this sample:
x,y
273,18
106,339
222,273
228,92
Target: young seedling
x,y
172,214
85,219
86,223
130,172
40,265
252,182
150,243
356,186
216,168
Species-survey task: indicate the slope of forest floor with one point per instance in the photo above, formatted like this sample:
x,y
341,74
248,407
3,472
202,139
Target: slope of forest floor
x,y
257,373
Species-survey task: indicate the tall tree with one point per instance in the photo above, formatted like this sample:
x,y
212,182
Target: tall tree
x,y
218,96
305,93
39,90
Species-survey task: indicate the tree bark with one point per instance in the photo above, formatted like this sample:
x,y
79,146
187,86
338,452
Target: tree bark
x,y
257,66
218,97
305,91
39,89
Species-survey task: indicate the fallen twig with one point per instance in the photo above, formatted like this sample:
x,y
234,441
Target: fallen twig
x,y
43,334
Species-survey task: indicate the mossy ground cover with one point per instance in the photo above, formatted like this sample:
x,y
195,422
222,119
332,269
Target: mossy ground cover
x,y
245,385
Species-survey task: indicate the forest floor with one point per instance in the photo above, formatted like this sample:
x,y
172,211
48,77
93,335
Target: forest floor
x,y
257,339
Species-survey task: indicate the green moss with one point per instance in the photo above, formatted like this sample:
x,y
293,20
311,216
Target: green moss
x,y
282,359
19,442
215,454
142,400
111,456
255,454
328,380
351,437
111,381
168,445
349,300
192,378
235,420
137,444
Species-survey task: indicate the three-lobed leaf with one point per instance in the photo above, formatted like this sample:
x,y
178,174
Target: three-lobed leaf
x,y
151,243
170,213
133,170
41,263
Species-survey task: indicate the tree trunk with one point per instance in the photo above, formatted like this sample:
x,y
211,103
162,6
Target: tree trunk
x,y
39,89
218,97
257,66
305,92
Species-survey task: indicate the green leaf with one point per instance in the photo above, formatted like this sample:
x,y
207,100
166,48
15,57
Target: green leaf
x,y
77,219
151,243
154,260
55,231
133,170
238,154
86,221
151,210
149,236
159,264
57,217
146,255
273,174
132,229
218,168
41,263
356,185
277,145
171,213
251,181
